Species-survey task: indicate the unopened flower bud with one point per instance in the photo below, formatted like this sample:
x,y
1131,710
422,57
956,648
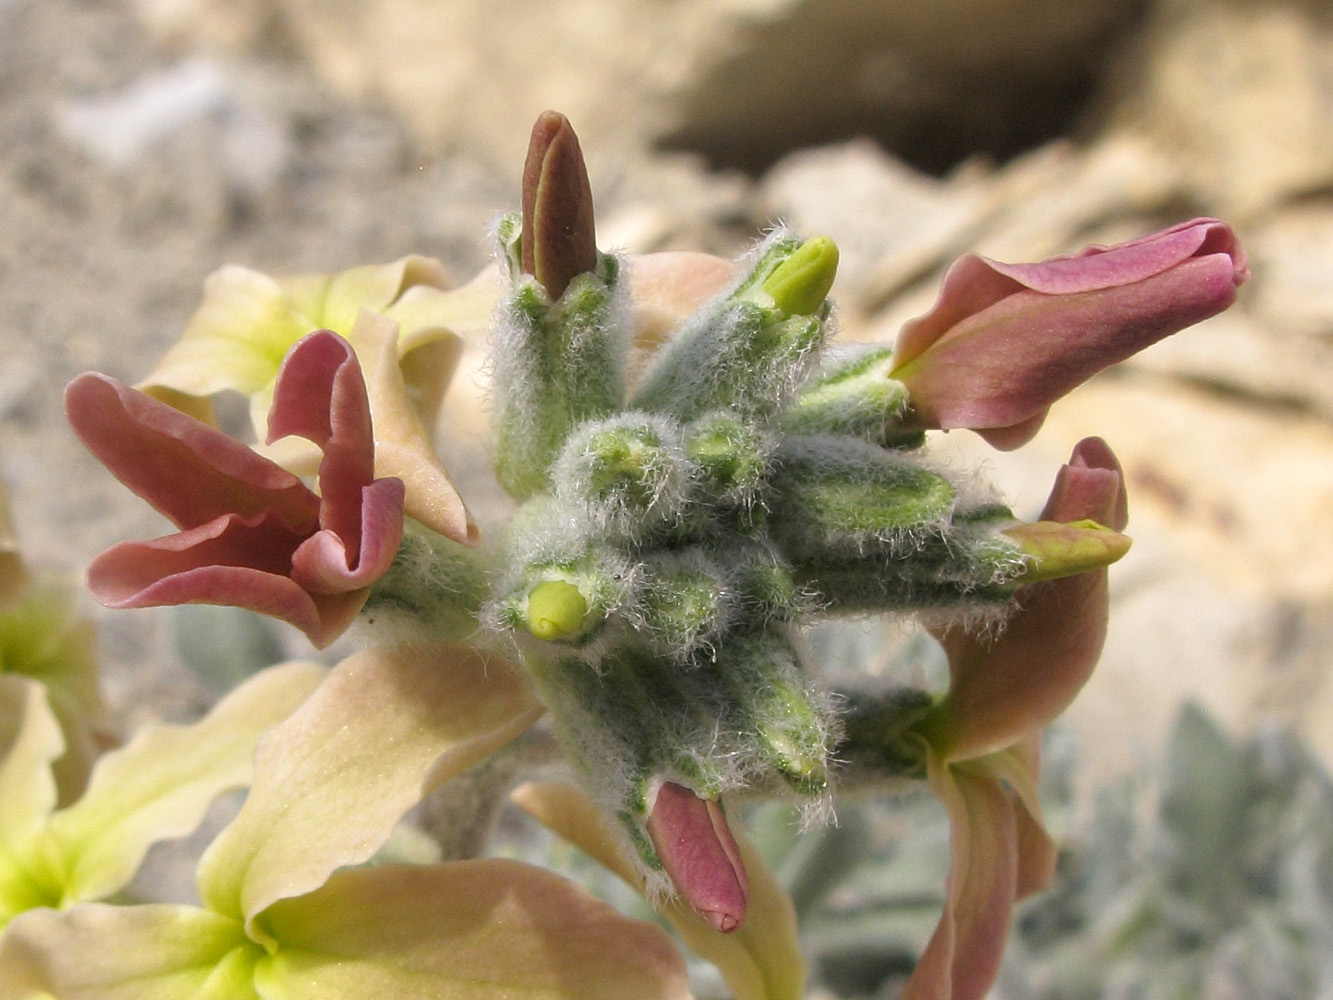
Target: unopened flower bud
x,y
742,352
698,851
838,495
558,233
801,283
629,472
790,727
556,610
731,457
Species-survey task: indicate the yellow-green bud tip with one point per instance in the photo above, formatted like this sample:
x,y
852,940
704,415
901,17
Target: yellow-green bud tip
x,y
556,610
1057,549
801,283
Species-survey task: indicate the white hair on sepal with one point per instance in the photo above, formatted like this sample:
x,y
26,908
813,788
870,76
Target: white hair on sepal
x,y
651,492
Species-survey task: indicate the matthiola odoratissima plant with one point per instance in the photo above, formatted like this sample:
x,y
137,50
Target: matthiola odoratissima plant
x,y
699,471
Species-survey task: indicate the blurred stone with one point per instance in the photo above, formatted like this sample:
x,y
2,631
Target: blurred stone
x,y
1053,200
890,222
117,128
741,81
1238,94
1292,253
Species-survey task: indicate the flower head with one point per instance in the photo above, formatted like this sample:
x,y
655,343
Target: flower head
x,y
406,326
1004,341
252,534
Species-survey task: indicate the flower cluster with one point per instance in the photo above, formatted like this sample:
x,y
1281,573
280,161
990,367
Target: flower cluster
x,y
700,470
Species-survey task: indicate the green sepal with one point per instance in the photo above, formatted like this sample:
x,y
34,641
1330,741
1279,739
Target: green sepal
x,y
740,352
731,457
876,744
969,563
685,602
629,473
841,497
435,587
556,364
791,730
851,393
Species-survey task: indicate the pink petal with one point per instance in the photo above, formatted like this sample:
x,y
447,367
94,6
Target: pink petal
x,y
699,853
1005,688
1004,341
320,395
963,956
224,562
187,470
1091,486
325,564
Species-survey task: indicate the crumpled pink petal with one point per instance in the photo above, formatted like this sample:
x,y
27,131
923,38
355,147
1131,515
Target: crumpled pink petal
x,y
252,534
697,850
963,955
1006,687
983,740
1004,341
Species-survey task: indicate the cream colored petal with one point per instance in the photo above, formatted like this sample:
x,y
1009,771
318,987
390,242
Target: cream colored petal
x,y
160,784
99,952
667,287
235,341
1019,768
761,960
423,311
374,287
963,955
44,636
481,930
29,741
402,444
387,726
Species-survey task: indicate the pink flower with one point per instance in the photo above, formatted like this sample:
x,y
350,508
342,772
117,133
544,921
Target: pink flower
x,y
982,740
252,534
1004,341
697,849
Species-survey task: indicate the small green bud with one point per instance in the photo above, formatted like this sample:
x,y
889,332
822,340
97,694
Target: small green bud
x,y
629,472
1056,549
556,610
801,283
731,457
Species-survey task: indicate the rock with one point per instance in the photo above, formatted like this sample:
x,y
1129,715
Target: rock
x,y
1238,94
742,81
899,224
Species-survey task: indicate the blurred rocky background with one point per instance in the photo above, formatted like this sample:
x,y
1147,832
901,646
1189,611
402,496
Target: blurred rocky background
x,y
143,144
